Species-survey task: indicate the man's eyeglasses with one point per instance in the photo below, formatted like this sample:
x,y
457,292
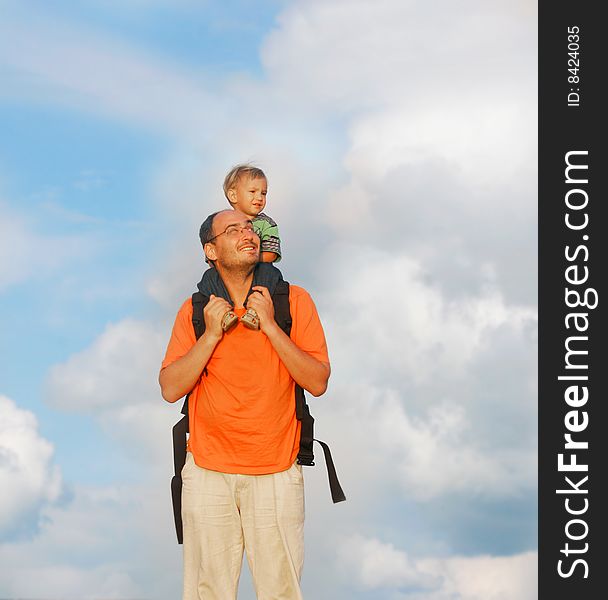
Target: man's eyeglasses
x,y
234,230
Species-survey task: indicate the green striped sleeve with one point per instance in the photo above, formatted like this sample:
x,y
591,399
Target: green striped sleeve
x,y
268,231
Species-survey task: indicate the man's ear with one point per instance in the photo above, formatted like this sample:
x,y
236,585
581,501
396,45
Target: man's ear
x,y
210,252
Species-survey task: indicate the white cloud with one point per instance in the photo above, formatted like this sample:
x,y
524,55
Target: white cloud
x,y
486,577
375,564
28,479
353,55
441,386
443,452
118,368
461,132
385,301
68,582
452,449
378,564
116,379
113,542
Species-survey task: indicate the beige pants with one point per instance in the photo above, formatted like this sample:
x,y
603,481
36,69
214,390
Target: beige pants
x,y
224,513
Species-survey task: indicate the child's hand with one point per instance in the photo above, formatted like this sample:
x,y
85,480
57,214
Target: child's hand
x,y
261,302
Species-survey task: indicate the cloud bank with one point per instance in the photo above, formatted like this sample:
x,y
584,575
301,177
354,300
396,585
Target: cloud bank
x,y
379,566
29,479
400,143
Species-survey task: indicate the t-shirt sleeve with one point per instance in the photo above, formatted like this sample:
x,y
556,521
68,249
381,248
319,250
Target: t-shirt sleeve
x,y
182,335
268,231
307,332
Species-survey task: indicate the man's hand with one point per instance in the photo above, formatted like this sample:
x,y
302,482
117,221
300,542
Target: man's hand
x,y
214,311
178,378
261,302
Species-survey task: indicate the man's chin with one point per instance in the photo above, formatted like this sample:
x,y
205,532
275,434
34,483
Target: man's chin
x,y
246,261
253,258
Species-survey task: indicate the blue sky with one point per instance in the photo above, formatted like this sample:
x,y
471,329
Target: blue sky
x,y
402,168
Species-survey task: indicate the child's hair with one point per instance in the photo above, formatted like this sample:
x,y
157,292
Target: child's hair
x,y
237,172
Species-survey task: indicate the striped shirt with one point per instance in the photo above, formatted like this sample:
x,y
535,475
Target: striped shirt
x,y
268,231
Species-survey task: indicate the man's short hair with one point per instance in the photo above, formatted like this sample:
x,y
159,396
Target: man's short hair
x,y
205,233
239,171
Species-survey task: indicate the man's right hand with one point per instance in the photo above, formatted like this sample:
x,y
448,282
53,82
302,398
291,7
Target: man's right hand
x,y
214,312
178,378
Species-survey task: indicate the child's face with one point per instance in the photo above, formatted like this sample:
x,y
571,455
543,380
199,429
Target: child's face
x,y
249,195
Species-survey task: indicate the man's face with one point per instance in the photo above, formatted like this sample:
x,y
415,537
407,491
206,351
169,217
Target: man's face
x,y
249,195
236,244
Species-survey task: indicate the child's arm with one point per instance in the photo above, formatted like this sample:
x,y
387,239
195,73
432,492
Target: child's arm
x,y
268,256
270,242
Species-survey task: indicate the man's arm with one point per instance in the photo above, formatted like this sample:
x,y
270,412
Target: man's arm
x,y
307,371
177,379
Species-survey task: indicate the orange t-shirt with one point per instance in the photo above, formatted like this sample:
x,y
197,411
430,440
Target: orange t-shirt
x,y
242,410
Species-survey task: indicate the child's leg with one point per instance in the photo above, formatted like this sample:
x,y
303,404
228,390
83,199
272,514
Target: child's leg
x,y
268,276
212,283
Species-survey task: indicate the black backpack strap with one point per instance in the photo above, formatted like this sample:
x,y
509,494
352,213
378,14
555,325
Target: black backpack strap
x,y
282,312
337,495
180,429
199,301
307,437
282,315
307,426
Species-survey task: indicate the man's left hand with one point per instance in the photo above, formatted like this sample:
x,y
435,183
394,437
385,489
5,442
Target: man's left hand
x,y
261,302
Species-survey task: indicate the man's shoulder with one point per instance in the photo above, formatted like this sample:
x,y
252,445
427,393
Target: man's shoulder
x,y
298,295
296,290
186,307
307,328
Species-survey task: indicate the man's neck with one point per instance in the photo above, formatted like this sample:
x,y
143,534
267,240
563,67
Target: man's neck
x,y
238,284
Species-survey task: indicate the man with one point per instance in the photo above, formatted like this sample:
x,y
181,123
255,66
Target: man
x,y
241,485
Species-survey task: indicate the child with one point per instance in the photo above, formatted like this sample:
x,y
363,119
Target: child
x,y
245,188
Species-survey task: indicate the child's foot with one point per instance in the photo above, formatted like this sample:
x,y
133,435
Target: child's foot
x,y
250,319
229,320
